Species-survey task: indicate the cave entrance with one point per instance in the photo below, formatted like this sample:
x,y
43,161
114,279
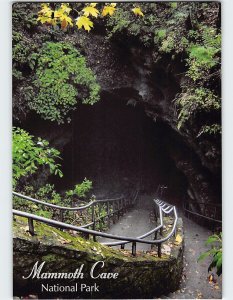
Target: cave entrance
x,y
118,146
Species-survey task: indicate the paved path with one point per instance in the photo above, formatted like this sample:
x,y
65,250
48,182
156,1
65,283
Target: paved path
x,y
134,223
195,283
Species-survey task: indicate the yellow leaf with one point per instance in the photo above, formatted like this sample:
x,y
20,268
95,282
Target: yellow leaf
x,y
65,8
108,10
113,4
93,4
65,21
90,11
84,22
46,11
178,239
58,13
48,20
45,14
137,11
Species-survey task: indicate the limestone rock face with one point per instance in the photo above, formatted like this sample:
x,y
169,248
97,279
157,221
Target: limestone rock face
x,y
142,76
143,276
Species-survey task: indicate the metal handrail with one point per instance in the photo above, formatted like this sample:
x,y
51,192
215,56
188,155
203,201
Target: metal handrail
x,y
206,204
162,206
76,208
161,210
118,200
89,231
187,208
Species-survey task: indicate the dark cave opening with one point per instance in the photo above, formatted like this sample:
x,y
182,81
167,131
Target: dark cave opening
x,y
118,146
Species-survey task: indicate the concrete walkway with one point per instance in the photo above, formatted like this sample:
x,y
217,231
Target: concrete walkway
x,y
134,223
195,283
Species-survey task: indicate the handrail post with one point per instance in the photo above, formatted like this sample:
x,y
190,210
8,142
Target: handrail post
x,y
121,202
108,213
93,220
159,250
118,208
61,218
156,215
134,248
161,231
113,212
122,246
61,215
31,226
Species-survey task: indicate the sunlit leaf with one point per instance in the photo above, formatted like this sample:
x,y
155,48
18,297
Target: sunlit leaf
x,y
137,11
90,11
109,9
45,15
46,10
65,8
178,239
58,14
84,22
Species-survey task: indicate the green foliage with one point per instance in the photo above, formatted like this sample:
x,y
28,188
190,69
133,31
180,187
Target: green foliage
x,y
161,33
61,74
101,213
204,53
199,99
120,21
184,32
168,43
30,153
173,5
215,253
81,190
210,129
46,193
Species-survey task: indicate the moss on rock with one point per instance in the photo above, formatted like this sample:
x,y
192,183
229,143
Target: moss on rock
x,y
143,276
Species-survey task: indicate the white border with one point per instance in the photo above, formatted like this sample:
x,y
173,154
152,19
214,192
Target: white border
x,y
227,122
5,152
5,148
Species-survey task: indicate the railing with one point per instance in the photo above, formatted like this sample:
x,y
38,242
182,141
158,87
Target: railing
x,y
208,211
161,209
114,206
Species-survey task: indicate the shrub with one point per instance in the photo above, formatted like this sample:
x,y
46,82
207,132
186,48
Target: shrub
x,y
81,189
199,99
215,252
30,153
62,78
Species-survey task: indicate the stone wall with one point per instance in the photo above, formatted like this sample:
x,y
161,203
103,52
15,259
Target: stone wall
x,y
143,276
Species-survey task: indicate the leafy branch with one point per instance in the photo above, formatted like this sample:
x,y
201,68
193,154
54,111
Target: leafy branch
x,y
215,252
61,16
30,153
